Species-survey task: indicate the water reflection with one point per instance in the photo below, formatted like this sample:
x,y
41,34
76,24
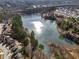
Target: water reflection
x,y
38,26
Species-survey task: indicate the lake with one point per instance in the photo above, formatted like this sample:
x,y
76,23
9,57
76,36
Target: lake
x,y
45,31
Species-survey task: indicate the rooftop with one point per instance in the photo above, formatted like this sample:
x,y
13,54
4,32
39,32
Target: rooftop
x,y
67,12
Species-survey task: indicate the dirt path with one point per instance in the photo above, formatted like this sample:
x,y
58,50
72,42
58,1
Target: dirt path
x,y
73,51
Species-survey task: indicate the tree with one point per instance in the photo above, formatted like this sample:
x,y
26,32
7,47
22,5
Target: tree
x,y
20,34
64,24
41,46
34,42
18,30
24,52
1,18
